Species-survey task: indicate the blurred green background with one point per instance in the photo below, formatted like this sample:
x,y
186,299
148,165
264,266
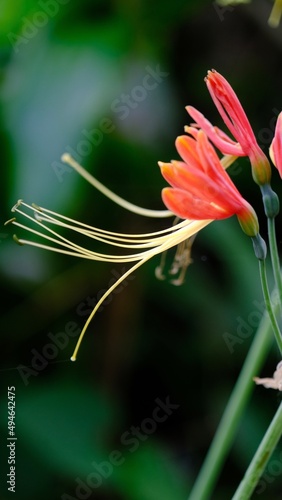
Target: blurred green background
x,y
65,67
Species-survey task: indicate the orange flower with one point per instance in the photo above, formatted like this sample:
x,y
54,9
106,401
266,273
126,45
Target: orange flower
x,y
201,189
120,248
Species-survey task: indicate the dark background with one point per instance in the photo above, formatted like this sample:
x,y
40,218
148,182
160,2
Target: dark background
x,y
61,75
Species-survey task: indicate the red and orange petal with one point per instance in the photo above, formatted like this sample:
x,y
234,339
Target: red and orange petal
x,y
221,140
192,130
187,206
221,90
190,179
187,149
202,172
275,149
202,187
213,167
228,105
208,157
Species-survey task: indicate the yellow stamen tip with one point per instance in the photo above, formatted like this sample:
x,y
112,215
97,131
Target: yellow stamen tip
x,y
19,202
16,239
66,158
73,358
10,221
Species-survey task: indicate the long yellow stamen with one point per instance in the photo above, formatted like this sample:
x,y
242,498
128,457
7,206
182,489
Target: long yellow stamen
x,y
141,247
131,241
100,302
176,240
66,158
151,244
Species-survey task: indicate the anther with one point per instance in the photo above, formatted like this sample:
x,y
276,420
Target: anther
x,y
16,206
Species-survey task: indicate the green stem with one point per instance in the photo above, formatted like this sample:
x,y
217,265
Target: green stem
x,y
225,433
274,256
260,459
268,304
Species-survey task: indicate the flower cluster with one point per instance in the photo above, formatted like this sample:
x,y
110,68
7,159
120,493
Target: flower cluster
x,y
201,191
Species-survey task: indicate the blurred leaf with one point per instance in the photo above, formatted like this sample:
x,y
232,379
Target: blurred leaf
x,y
9,22
65,425
150,474
70,93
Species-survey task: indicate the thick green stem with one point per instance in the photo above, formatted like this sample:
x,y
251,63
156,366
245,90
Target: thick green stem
x,y
225,433
268,304
260,459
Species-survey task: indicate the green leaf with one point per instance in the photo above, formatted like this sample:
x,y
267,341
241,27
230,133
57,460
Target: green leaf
x,y
150,473
65,425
